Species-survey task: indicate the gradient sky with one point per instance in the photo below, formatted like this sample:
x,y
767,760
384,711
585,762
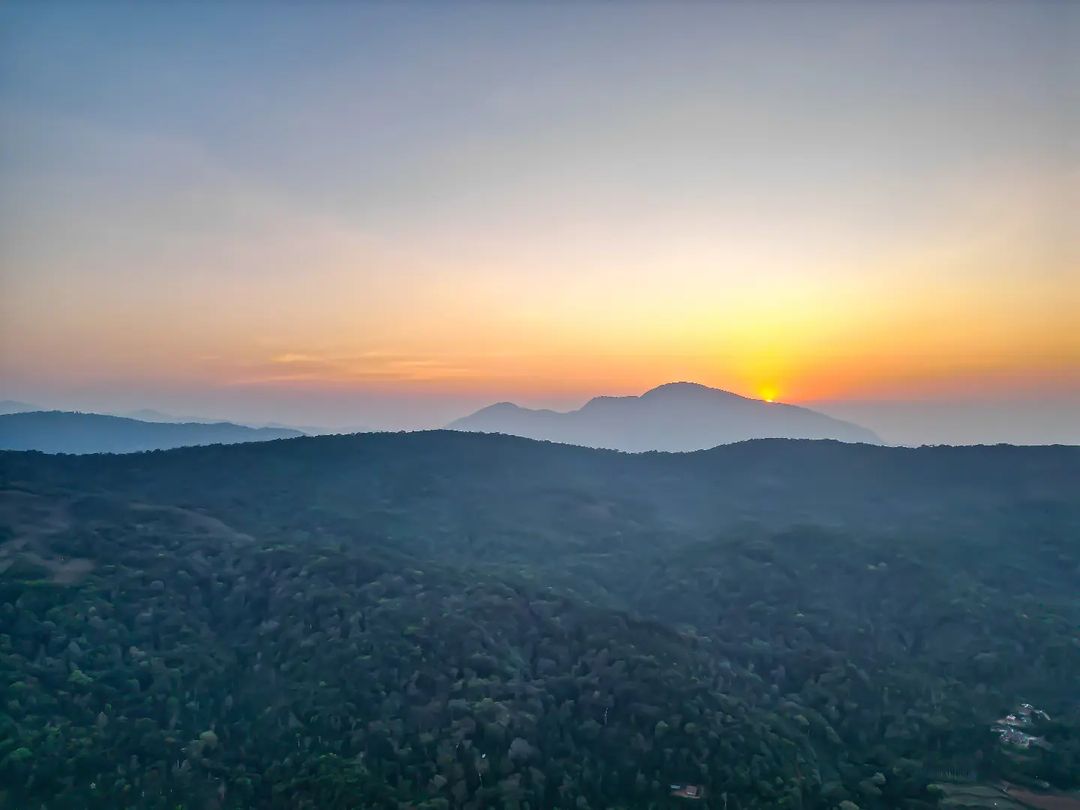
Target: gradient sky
x,y
388,214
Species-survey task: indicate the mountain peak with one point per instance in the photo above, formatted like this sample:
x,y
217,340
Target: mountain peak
x,y
685,389
676,416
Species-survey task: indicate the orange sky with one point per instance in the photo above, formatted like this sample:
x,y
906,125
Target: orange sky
x,y
854,203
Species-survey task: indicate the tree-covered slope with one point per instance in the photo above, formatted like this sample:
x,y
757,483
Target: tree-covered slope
x,y
196,665
438,486
454,620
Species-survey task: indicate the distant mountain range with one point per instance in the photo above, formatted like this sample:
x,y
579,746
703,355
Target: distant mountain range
x,y
68,432
675,417
152,415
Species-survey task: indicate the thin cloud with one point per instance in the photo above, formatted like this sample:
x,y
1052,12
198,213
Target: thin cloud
x,y
373,366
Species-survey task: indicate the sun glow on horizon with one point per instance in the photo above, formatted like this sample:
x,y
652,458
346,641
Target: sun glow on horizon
x,y
509,231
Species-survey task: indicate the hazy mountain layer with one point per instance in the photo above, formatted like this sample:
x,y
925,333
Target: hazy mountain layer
x,y
673,417
65,432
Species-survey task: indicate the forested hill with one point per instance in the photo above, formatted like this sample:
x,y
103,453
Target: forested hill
x,y
454,620
68,432
477,476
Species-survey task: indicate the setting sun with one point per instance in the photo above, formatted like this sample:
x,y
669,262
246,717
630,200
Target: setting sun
x,y
769,393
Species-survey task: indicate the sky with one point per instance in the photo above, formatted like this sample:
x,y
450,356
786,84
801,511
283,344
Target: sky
x,y
391,214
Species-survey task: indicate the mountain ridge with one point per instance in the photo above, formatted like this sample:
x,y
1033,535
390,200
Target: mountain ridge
x,y
77,432
15,406
676,416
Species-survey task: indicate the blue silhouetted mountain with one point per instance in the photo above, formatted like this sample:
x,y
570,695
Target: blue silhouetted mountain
x,y
67,432
674,417
152,415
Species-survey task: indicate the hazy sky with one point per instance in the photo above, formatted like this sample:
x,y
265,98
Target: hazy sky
x,y
391,213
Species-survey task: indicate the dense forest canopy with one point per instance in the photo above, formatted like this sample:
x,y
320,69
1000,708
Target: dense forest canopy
x,y
451,620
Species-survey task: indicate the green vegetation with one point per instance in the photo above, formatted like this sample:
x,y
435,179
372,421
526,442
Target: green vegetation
x,y
463,621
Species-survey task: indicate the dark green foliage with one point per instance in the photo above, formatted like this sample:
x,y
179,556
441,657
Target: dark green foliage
x,y
463,621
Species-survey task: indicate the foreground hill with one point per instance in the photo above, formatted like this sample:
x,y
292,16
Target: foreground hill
x,y
66,432
447,620
673,417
